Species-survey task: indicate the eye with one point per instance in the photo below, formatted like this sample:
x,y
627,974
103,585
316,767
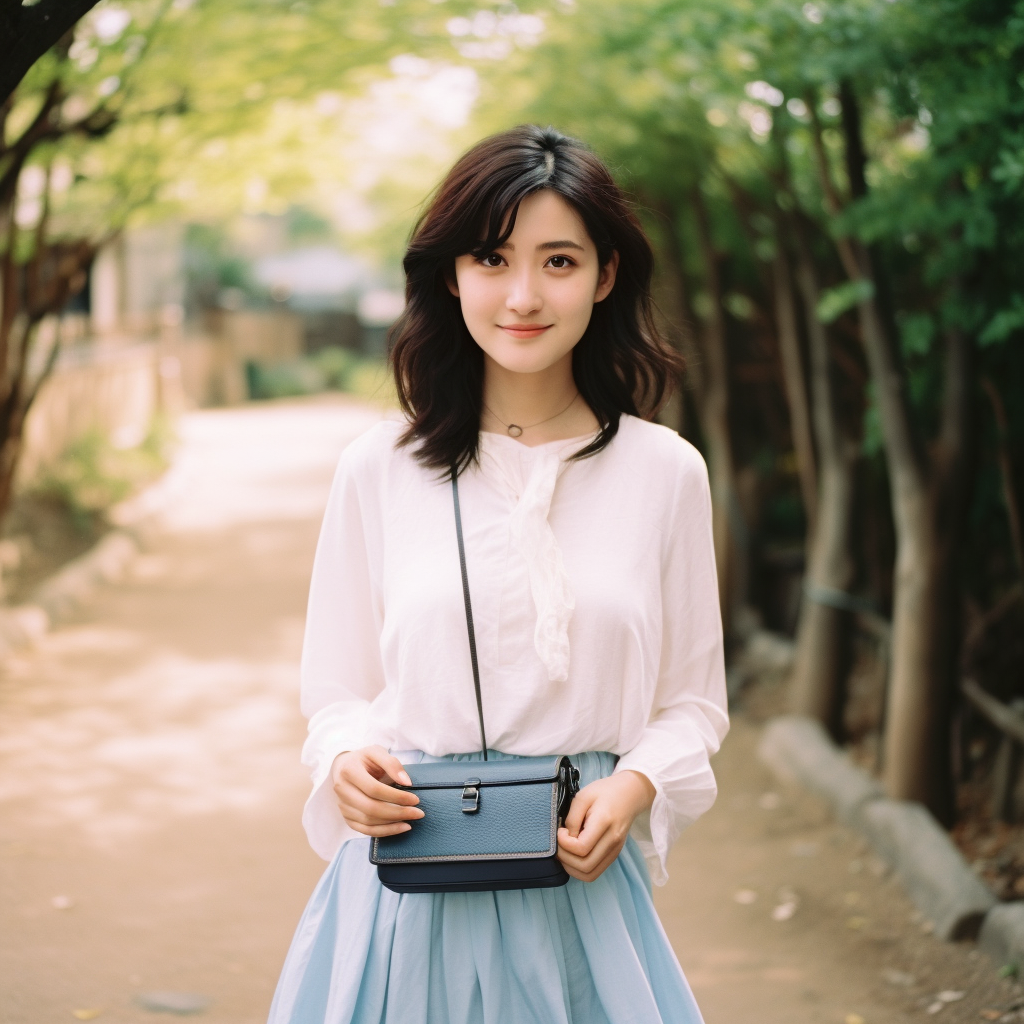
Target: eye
x,y
492,259
560,262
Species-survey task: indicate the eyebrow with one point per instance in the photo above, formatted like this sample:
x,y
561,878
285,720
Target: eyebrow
x,y
564,243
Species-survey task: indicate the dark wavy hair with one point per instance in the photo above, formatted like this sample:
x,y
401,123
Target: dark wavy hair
x,y
620,365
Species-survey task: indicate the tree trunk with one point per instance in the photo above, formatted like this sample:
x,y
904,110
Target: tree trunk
x,y
678,304
926,633
823,631
1013,519
795,384
927,511
727,522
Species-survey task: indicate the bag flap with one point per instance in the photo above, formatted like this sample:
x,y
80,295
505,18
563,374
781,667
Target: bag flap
x,y
454,774
508,821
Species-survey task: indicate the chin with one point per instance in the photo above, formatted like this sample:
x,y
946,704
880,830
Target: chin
x,y
526,363
524,358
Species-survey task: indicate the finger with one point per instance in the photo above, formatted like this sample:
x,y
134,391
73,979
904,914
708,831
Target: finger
x,y
389,764
357,816
589,876
594,828
580,861
337,766
581,803
586,869
587,851
379,811
603,853
376,790
577,846
379,830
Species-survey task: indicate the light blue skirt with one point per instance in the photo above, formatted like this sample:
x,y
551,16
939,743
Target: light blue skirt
x,y
584,953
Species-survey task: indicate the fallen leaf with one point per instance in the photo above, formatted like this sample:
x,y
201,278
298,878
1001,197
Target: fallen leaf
x,y
784,911
936,1006
900,978
85,1014
991,1014
174,1002
804,849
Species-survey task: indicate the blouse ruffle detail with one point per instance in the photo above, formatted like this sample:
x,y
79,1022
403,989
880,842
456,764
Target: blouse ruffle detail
x,y
530,475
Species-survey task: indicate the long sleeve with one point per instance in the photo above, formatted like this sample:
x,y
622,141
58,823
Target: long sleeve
x,y
342,671
689,716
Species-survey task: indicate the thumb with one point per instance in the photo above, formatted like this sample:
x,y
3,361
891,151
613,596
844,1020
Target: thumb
x,y
390,765
581,804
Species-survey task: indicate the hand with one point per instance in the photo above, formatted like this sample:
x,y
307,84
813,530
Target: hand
x,y
599,821
367,803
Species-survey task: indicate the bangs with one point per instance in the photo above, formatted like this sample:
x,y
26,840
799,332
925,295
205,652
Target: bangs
x,y
494,236
497,205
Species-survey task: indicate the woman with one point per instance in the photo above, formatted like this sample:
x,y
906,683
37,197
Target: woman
x,y
525,358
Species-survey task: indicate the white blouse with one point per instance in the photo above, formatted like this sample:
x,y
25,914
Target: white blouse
x,y
595,605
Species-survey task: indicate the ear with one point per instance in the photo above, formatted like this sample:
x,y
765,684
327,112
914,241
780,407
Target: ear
x,y
606,278
452,281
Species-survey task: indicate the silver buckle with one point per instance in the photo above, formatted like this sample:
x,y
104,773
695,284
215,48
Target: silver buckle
x,y
471,796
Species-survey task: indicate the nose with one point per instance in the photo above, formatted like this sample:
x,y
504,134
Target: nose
x,y
523,294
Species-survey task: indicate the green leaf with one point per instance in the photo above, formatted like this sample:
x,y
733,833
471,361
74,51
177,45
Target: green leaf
x,y
836,301
1004,323
916,333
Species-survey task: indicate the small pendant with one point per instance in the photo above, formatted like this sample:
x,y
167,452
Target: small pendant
x,y
515,430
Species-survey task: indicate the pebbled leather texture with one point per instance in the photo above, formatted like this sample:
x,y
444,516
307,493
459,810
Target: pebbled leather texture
x,y
516,820
517,816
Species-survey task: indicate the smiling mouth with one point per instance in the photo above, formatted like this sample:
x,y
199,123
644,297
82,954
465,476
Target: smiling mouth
x,y
524,330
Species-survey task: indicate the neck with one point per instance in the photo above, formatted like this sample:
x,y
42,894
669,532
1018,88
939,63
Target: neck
x,y
535,398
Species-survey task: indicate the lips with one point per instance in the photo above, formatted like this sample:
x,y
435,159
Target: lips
x,y
524,330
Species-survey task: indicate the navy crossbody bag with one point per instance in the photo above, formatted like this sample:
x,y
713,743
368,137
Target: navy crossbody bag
x,y
487,825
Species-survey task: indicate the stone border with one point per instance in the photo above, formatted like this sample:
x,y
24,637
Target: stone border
x,y
66,590
1002,935
133,522
903,834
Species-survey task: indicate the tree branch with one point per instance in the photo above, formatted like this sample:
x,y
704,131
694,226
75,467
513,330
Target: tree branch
x,y
833,201
26,33
1006,472
20,149
856,154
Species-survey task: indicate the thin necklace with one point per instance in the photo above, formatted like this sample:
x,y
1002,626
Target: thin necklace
x,y
515,430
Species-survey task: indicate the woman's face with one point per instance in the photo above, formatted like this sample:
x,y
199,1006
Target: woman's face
x,y
528,303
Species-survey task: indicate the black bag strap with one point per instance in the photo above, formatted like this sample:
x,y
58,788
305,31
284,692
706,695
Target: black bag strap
x,y
469,610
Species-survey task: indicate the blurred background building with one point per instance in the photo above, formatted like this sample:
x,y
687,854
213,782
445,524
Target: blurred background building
x,y
177,315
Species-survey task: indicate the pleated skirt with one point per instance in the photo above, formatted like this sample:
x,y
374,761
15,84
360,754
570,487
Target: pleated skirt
x,y
583,953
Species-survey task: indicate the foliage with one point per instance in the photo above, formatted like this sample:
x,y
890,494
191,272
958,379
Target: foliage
x,y
91,475
331,369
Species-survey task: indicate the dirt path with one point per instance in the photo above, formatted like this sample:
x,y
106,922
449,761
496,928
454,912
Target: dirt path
x,y
150,791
